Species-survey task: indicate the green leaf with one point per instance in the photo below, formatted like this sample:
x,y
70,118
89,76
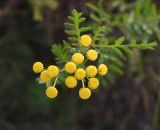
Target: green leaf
x,y
70,32
119,53
69,25
154,10
38,5
73,27
95,18
99,33
81,20
72,39
84,29
128,51
116,69
120,40
71,18
133,42
92,7
61,53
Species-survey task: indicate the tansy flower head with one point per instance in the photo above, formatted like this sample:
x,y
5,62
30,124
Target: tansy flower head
x,y
93,83
91,71
51,92
44,76
70,67
71,82
52,71
102,69
85,40
80,74
37,67
92,55
78,58
84,93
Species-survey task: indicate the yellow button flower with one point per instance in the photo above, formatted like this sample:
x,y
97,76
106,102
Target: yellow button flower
x,y
37,67
52,71
44,76
51,92
91,71
71,82
102,69
78,58
85,40
70,67
92,55
84,93
93,83
80,74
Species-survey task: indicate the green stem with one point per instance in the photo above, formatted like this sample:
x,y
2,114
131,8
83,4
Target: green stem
x,y
48,84
129,45
83,83
55,81
76,25
85,61
87,77
94,39
62,70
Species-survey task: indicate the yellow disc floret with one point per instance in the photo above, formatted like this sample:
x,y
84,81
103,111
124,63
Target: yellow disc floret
x,y
51,92
102,69
78,58
80,74
93,83
91,71
92,55
84,93
70,67
37,67
52,71
44,76
71,82
85,40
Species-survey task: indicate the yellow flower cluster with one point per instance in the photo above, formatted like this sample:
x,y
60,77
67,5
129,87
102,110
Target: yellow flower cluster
x,y
46,75
88,73
76,70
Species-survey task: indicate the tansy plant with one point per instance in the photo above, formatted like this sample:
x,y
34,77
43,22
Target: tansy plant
x,y
84,58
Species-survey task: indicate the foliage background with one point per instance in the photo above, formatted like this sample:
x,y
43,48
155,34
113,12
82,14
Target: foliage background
x,y
27,31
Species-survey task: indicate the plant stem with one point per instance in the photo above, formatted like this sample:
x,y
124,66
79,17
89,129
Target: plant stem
x,y
62,70
55,81
83,83
87,77
85,61
150,45
76,25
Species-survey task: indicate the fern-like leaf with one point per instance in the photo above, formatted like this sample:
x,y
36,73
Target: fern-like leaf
x,y
73,27
61,53
99,33
114,54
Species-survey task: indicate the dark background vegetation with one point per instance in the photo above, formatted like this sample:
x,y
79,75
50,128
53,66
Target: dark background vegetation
x,y
132,103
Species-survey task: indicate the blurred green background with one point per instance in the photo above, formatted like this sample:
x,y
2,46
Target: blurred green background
x,y
28,28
